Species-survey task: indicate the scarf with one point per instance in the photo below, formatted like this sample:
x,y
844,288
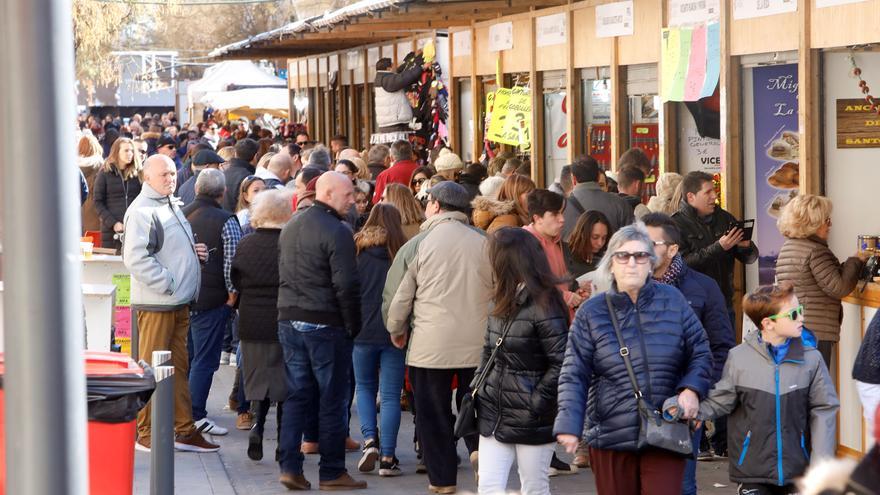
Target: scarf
x,y
672,273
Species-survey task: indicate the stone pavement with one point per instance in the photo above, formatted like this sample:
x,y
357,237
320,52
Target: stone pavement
x,y
230,472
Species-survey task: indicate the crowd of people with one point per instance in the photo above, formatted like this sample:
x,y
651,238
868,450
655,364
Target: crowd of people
x,y
394,277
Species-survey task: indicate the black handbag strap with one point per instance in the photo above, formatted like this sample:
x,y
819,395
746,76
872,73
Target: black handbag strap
x,y
478,380
624,352
577,204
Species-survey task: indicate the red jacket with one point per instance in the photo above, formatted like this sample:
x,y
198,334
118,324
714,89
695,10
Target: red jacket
x,y
400,172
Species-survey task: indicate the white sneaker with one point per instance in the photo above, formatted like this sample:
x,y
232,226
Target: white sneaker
x,y
233,359
224,357
210,427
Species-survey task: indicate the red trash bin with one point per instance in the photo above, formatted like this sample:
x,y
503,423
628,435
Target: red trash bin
x,y
116,387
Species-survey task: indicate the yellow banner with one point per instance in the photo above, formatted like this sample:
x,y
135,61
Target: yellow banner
x,y
511,118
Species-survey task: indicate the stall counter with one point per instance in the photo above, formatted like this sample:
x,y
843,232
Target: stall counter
x,y
858,309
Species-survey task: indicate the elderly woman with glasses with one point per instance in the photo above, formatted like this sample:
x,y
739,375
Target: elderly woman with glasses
x,y
670,354
820,281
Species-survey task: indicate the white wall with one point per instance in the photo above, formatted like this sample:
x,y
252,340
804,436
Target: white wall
x,y
852,175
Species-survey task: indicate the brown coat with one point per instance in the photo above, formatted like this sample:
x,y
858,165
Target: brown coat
x,y
90,220
820,282
490,214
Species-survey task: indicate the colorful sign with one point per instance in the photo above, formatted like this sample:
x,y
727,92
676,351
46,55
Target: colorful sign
x,y
511,117
690,61
777,153
858,126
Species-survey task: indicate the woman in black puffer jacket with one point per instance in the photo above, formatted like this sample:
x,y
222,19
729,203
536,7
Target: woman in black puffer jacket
x,y
517,404
116,185
255,276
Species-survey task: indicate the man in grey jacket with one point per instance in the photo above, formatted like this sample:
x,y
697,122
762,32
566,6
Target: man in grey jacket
x,y
161,253
587,195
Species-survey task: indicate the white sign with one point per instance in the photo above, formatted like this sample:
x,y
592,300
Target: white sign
x,y
354,60
372,56
614,19
550,30
748,9
334,63
501,36
831,3
697,153
690,12
461,43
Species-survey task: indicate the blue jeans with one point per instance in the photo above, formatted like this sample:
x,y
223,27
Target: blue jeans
x,y
379,368
203,342
689,484
318,365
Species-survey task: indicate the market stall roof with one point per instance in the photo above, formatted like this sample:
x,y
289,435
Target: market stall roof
x,y
249,102
370,21
232,74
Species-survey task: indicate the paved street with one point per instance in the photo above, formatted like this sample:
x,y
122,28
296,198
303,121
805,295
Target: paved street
x,y
230,472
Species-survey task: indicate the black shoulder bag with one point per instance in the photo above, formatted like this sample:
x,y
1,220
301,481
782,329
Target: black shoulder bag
x,y
654,431
466,422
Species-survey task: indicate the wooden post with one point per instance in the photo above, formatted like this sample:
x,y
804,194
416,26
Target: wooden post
x,y
476,97
537,123
809,113
574,126
619,105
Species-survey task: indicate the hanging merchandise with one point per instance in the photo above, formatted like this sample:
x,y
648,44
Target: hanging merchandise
x,y
429,98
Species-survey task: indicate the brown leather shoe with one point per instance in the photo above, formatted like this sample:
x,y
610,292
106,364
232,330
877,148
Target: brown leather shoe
x,y
295,481
351,445
442,489
343,482
309,448
245,421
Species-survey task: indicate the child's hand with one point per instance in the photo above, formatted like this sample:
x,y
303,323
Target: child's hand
x,y
689,403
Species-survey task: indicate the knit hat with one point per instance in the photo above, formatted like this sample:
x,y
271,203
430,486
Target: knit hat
x,y
491,186
320,158
447,160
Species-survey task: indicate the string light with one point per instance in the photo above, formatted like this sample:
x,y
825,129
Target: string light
x,y
866,90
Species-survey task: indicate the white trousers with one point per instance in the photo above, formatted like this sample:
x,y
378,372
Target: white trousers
x,y
533,464
869,395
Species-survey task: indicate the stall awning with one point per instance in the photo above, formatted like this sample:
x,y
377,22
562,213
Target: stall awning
x,y
370,21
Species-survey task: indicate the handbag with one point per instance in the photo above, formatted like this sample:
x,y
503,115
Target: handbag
x,y
654,431
466,422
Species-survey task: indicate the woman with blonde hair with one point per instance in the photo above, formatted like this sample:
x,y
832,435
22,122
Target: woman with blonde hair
x,y
116,185
411,213
820,280
509,210
89,159
664,202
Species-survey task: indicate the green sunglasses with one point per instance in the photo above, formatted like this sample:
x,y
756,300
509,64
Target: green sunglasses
x,y
792,314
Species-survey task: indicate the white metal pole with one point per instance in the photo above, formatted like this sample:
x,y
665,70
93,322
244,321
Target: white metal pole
x,y
45,381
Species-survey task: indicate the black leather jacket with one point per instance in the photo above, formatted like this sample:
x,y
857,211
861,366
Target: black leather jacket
x,y
319,280
517,403
701,250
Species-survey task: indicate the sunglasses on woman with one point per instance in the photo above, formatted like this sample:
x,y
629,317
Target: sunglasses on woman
x,y
792,314
641,257
418,182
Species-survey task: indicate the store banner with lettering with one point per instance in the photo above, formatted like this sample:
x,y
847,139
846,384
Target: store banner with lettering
x,y
511,117
776,157
690,61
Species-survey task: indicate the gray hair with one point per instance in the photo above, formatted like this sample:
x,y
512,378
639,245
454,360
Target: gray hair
x,y
631,232
211,182
401,150
272,208
320,158
378,153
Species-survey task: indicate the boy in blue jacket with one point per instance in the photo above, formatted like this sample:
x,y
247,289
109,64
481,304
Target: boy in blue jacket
x,y
778,395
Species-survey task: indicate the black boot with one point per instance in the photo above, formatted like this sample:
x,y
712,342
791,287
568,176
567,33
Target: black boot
x,y
278,413
255,439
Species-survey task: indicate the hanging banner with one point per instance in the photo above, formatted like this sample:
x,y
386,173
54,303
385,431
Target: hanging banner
x,y
831,3
501,36
777,152
692,12
690,61
614,19
550,30
511,118
749,9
